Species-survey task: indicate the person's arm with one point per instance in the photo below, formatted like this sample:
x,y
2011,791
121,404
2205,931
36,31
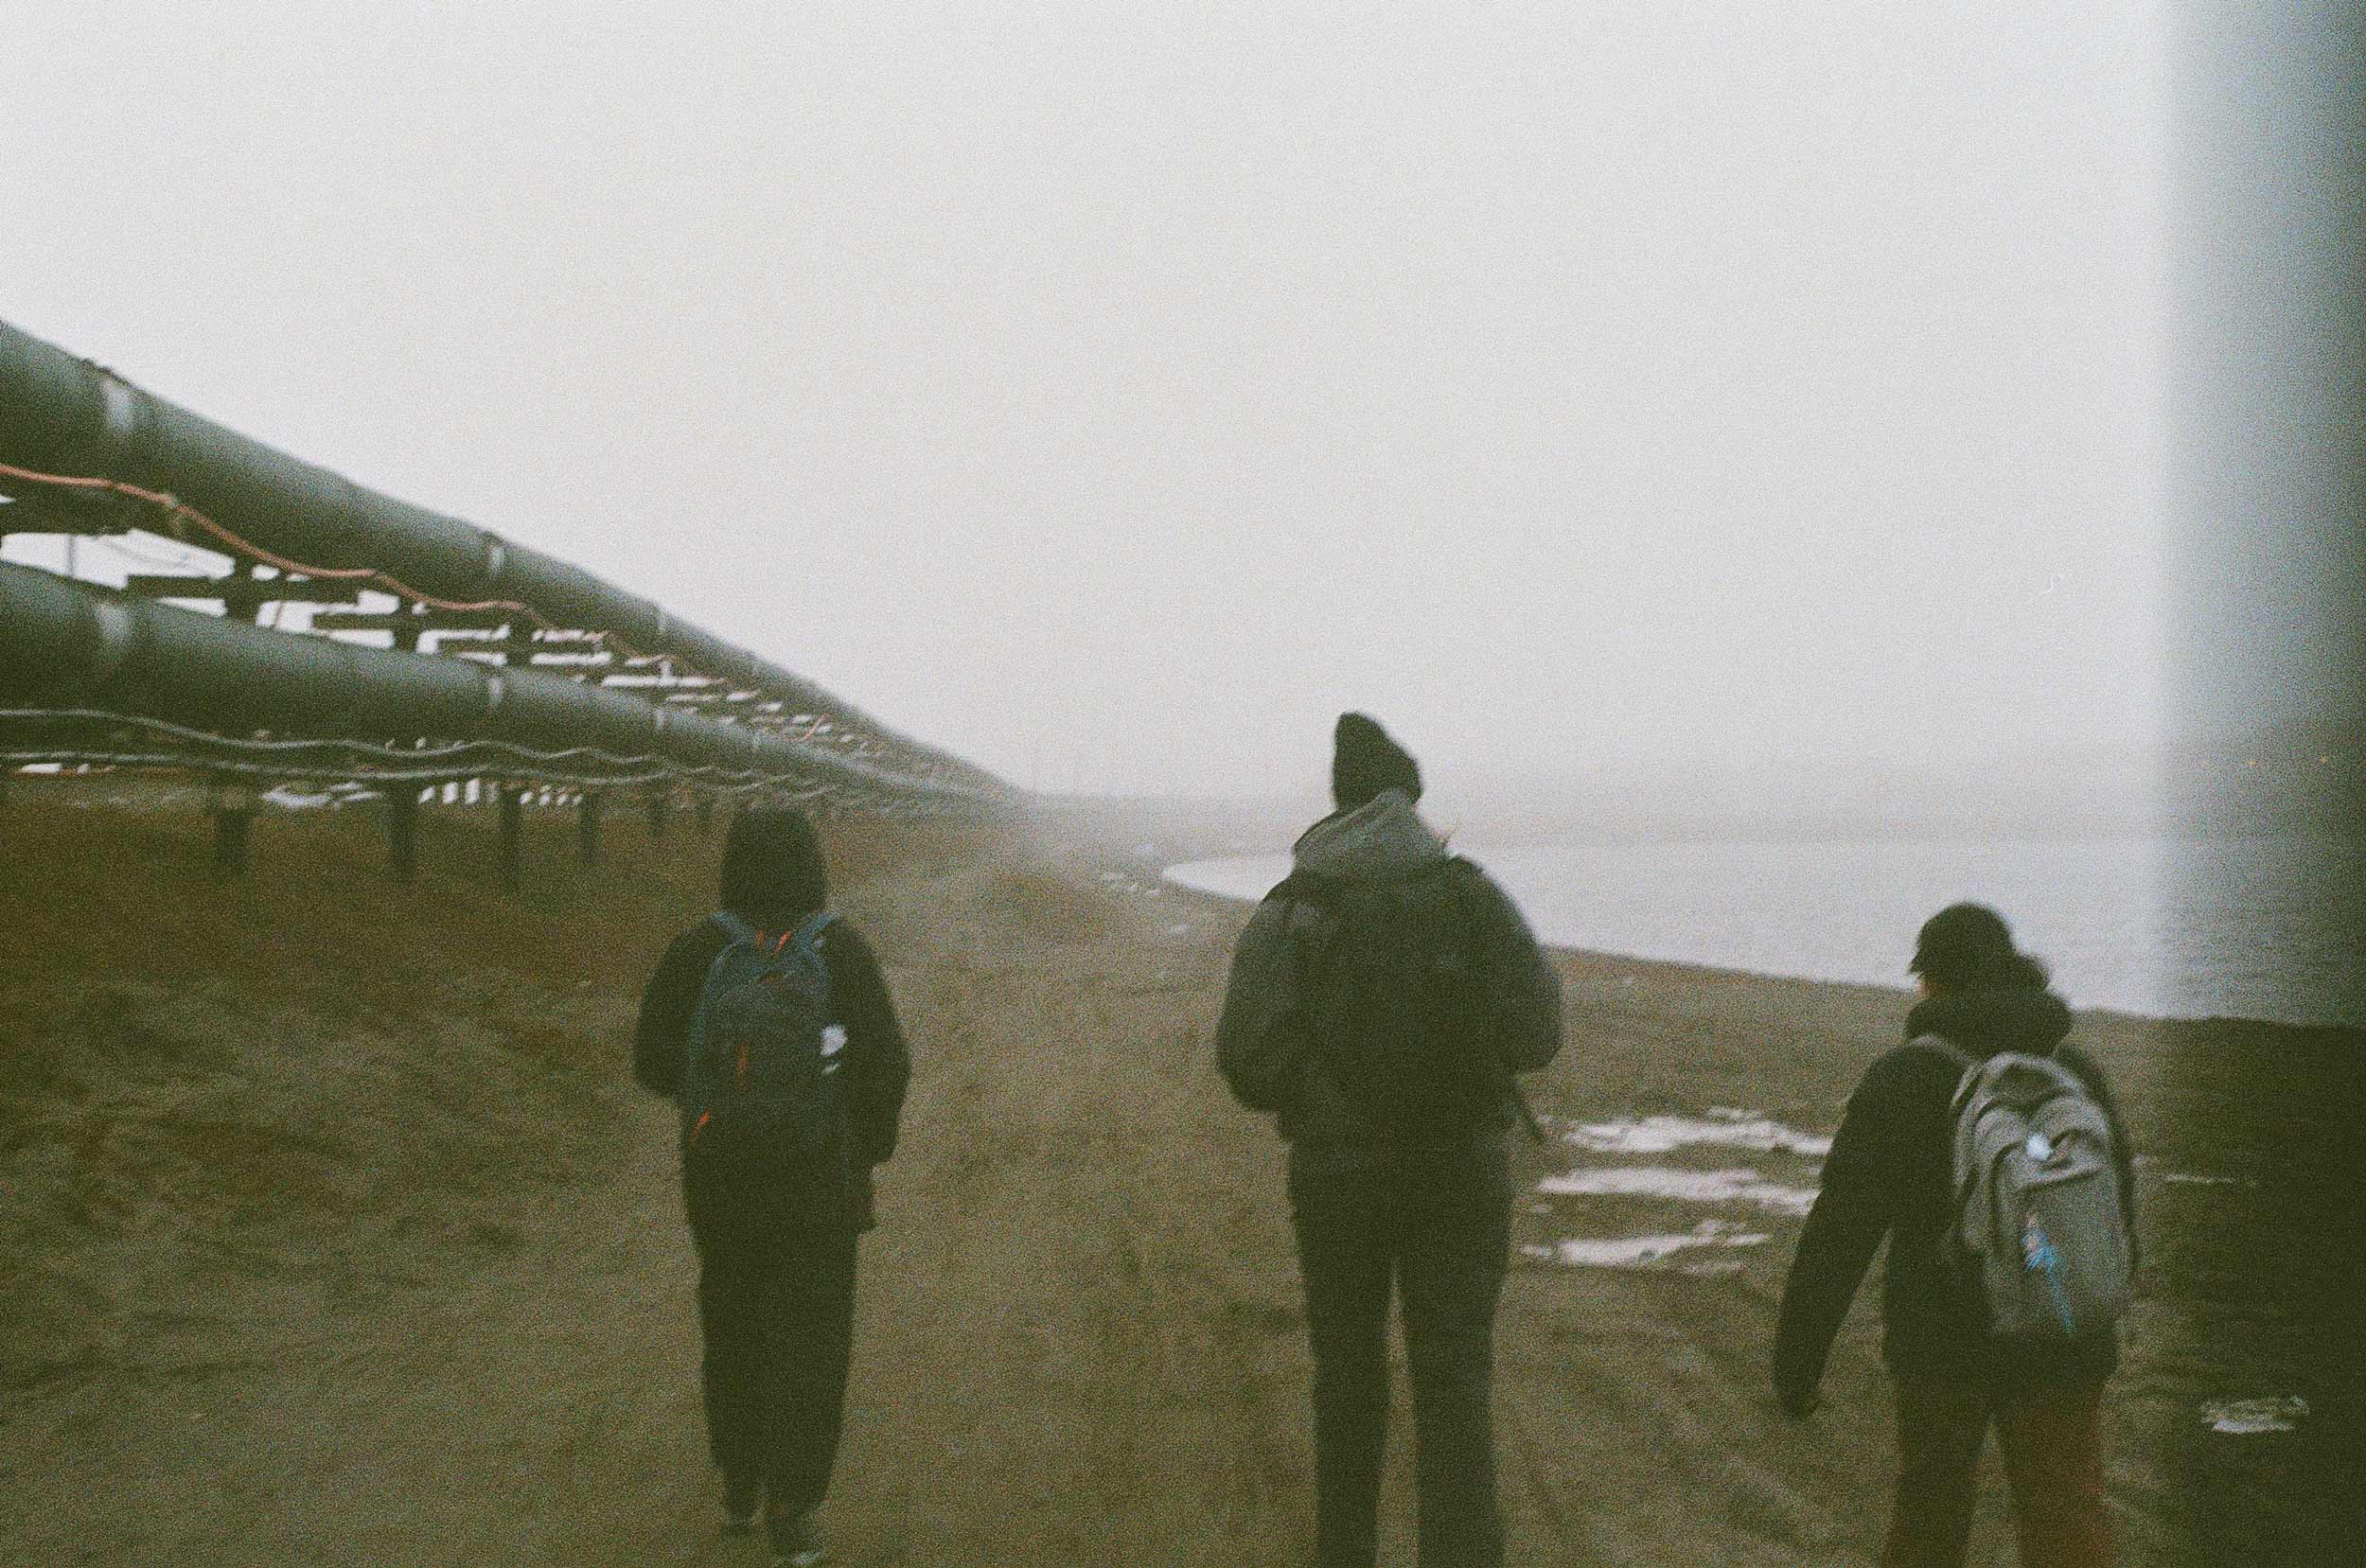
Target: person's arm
x,y
1844,1228
879,1063
1260,1033
671,998
1523,985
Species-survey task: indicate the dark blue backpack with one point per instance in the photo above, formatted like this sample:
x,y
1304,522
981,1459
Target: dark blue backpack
x,y
762,1098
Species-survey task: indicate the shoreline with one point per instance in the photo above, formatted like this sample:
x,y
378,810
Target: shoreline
x,y
2358,1030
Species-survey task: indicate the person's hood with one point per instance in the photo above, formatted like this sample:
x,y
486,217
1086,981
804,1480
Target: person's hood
x,y
1384,836
1985,1022
773,871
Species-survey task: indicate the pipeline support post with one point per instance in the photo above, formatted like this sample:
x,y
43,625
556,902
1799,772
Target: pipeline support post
x,y
232,830
588,826
512,849
63,412
233,809
402,834
243,595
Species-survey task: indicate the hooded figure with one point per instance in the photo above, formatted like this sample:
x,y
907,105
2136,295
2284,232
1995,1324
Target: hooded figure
x,y
773,871
1891,1173
1422,1214
776,1265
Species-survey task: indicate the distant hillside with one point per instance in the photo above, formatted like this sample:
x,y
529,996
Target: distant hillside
x,y
2298,778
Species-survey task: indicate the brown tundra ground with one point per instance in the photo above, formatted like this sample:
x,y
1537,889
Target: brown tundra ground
x,y
333,1228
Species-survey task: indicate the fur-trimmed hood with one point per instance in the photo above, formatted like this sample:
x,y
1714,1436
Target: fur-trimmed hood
x,y
1384,836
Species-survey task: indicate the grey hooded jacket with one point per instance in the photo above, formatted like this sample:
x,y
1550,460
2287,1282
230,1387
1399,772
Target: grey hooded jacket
x,y
1261,1041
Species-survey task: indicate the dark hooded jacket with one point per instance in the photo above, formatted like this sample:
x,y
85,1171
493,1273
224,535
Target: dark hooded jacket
x,y
773,878
1890,1174
1262,1042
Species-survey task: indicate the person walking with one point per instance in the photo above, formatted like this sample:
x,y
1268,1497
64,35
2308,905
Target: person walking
x,y
1380,1000
1962,1356
771,1026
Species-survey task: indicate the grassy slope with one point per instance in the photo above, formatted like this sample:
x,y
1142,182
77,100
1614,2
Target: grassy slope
x,y
202,1083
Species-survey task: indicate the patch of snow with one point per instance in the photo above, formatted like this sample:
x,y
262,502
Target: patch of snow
x,y
2249,1417
1737,1185
289,798
1721,1127
1638,1252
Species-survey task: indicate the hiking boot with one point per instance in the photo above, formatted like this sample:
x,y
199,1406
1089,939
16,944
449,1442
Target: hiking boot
x,y
795,1543
741,1501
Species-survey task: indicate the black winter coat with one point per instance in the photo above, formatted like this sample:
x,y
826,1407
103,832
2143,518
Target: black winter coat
x,y
1890,1174
1262,1044
878,1065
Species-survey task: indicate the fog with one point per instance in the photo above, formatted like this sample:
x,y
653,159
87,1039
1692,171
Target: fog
x,y
1736,398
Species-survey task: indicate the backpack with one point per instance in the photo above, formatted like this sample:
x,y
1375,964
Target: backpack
x,y
761,1098
1396,1005
2040,1231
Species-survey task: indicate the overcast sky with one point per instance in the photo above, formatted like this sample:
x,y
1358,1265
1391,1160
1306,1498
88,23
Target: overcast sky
x,y
1114,393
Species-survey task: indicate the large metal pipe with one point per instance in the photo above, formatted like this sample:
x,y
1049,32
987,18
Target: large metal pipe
x,y
67,644
65,415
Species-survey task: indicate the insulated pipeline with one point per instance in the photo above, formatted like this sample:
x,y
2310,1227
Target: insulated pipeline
x,y
65,414
65,644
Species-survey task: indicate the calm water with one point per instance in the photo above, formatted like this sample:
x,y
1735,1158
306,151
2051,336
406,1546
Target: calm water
x,y
2169,927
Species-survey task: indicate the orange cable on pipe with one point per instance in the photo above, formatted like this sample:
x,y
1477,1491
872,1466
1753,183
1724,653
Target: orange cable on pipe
x,y
177,508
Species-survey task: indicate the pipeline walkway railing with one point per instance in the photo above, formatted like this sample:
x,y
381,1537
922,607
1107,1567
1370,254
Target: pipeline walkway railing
x,y
543,676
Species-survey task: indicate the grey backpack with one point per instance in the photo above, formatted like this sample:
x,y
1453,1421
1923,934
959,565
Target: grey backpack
x,y
2039,1227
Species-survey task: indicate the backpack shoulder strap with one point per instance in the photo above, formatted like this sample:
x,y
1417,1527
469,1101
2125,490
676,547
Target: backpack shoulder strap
x,y
1962,1059
737,932
1325,895
1967,1067
1473,887
806,940
1304,886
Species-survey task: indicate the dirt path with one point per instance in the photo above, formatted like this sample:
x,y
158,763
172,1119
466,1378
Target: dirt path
x,y
1080,1338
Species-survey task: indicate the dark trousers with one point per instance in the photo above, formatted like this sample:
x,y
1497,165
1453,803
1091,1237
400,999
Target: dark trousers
x,y
776,1307
1438,1235
2053,1459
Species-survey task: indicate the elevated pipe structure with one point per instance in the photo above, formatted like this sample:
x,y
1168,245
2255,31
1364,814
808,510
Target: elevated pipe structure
x,y
76,653
67,416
